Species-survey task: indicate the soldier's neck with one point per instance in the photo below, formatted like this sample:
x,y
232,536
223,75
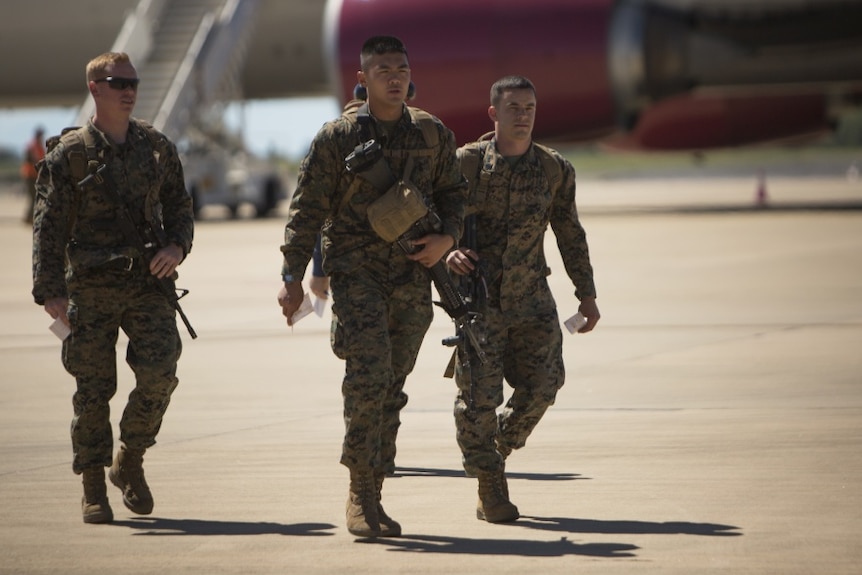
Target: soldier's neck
x,y
115,128
512,148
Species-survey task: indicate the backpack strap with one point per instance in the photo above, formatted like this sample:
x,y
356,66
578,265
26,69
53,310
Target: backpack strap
x,y
472,158
428,125
80,149
553,170
160,153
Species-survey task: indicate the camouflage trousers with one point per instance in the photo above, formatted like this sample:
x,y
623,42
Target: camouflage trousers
x,y
527,353
98,308
379,321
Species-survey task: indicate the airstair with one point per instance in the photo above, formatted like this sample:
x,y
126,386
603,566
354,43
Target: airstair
x,y
189,55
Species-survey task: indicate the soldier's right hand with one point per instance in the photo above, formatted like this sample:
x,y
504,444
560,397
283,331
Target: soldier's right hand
x,y
461,260
290,298
56,307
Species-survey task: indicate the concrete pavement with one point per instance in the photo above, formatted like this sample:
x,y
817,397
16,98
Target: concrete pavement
x,y
711,424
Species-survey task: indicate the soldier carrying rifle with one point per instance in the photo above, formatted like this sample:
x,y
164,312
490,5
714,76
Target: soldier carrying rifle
x,y
381,294
517,187
112,222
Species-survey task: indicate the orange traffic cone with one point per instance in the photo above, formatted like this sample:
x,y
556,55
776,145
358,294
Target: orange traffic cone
x,y
761,198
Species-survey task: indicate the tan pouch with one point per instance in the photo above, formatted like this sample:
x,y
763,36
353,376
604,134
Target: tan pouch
x,y
394,212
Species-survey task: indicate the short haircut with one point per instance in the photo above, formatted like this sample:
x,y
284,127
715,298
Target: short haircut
x,y
377,45
97,67
509,83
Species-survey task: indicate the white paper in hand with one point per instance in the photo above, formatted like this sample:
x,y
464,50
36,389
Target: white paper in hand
x,y
576,322
60,329
319,306
305,308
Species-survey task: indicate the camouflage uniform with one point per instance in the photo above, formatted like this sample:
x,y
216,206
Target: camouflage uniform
x,y
80,252
381,300
524,341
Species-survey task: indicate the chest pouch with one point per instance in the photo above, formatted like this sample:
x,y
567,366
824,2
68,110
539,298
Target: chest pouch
x,y
393,213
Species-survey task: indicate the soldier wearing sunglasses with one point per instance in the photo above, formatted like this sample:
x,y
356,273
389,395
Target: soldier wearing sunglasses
x,y
92,281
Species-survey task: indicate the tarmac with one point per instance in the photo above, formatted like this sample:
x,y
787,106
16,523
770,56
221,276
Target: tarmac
x,y
712,423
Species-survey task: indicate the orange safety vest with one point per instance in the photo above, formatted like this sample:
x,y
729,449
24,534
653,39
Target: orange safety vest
x,y
35,151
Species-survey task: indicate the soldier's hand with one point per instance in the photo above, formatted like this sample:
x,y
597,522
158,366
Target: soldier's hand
x,y
319,286
56,308
290,298
166,260
590,310
434,248
461,261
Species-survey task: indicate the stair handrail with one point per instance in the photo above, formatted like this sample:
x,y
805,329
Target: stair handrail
x,y
174,112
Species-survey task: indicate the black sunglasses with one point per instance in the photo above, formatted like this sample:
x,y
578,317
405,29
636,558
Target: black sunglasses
x,y
120,83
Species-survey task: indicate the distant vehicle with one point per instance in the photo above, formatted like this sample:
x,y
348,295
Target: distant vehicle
x,y
231,178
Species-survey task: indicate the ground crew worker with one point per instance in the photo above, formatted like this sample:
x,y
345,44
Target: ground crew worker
x,y
33,153
87,274
523,339
381,296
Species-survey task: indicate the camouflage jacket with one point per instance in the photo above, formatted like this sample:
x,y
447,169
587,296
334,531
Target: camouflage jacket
x,y
75,229
511,225
347,237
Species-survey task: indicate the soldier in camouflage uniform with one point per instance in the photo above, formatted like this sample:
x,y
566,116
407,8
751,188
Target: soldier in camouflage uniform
x,y
87,275
381,296
524,341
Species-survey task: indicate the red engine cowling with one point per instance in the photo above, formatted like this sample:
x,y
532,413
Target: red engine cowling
x,y
696,122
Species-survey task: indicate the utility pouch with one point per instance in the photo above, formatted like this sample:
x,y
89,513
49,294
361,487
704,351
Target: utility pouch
x,y
396,211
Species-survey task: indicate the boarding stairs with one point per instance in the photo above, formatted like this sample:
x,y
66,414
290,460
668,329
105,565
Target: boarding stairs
x,y
189,55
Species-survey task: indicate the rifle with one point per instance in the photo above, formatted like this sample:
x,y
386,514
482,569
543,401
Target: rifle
x,y
147,243
451,299
475,292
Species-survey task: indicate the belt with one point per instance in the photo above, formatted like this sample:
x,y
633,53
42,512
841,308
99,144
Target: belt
x,y
122,263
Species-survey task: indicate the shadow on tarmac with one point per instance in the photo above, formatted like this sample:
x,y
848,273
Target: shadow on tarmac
x,y
502,547
556,548
161,526
429,472
574,525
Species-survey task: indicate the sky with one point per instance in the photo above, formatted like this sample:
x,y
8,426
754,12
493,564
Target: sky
x,y
282,126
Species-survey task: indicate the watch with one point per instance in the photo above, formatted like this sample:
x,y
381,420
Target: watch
x,y
288,278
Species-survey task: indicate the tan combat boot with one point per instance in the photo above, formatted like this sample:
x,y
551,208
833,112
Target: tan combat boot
x,y
494,505
362,517
94,504
127,473
388,526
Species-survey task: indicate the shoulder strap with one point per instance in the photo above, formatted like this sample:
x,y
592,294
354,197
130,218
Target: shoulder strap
x,y
80,149
356,112
552,168
429,134
428,125
157,139
472,158
160,149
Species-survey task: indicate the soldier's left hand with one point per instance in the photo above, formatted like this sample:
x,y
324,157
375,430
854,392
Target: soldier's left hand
x,y
461,260
319,286
435,247
590,310
166,260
